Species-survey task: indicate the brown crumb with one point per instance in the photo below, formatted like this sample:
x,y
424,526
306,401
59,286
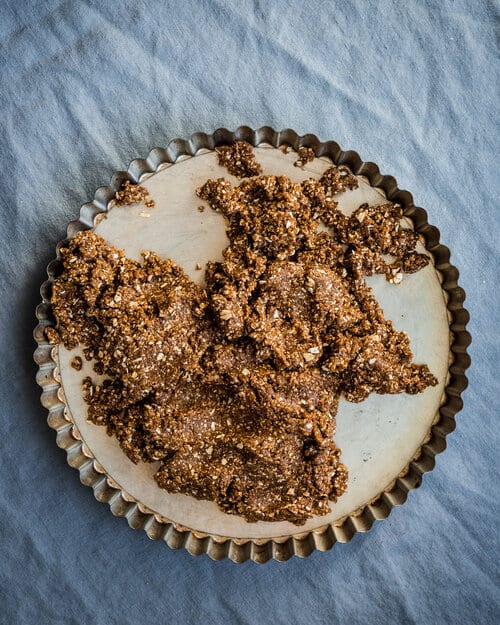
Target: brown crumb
x,y
305,155
52,335
76,363
198,267
201,208
132,193
239,159
233,388
285,149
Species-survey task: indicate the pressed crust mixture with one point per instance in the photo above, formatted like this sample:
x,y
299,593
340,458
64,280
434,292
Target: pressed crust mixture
x,y
233,388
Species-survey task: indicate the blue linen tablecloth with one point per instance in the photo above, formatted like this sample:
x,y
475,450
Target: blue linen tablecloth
x,y
87,86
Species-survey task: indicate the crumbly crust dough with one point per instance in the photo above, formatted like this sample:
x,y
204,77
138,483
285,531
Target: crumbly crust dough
x,y
233,388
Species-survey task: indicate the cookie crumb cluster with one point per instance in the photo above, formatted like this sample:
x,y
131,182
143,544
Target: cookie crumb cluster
x,y
239,159
132,193
233,388
304,156
77,363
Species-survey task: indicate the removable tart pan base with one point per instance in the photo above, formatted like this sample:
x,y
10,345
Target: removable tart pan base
x,y
388,441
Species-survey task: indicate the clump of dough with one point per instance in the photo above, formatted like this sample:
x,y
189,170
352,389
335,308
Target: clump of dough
x,y
233,388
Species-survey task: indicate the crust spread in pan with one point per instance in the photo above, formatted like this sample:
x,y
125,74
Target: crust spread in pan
x,y
233,388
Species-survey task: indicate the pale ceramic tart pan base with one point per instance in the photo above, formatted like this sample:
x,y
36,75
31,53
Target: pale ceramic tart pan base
x,y
387,440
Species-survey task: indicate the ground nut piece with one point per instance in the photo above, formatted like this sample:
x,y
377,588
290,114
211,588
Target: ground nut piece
x,y
233,389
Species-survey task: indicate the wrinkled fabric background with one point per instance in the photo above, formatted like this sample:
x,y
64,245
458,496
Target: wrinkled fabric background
x,y
87,86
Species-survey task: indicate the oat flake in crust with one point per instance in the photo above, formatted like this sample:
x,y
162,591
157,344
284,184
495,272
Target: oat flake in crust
x,y
233,388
